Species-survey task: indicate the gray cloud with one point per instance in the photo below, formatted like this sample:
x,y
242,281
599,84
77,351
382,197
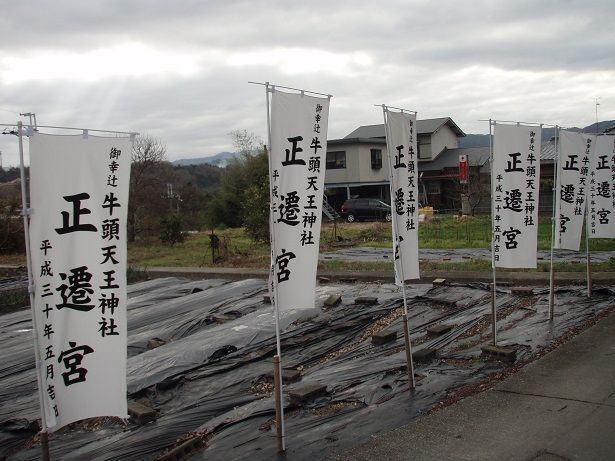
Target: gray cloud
x,y
543,61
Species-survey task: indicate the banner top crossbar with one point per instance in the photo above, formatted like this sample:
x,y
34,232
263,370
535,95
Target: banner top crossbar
x,y
132,133
493,121
384,106
273,87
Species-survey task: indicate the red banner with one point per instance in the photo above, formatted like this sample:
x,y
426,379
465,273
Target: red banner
x,y
463,169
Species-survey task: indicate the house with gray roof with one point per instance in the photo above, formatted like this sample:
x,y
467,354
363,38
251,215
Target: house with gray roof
x,y
357,166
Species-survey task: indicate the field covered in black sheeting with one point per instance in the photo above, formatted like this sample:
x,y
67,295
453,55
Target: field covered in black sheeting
x,y
458,255
209,377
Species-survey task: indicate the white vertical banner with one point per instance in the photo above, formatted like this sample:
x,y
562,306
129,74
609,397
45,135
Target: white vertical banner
x,y
572,186
79,200
297,165
403,166
515,183
602,189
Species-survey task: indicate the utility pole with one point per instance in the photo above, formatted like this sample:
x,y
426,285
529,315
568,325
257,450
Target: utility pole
x,y
597,123
32,117
172,195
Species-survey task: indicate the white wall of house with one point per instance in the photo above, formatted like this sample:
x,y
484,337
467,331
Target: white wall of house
x,y
424,146
443,138
366,172
358,165
359,162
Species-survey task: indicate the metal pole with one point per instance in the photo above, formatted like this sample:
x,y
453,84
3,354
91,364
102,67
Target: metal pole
x,y
494,319
31,289
589,258
407,342
279,410
516,122
88,129
556,179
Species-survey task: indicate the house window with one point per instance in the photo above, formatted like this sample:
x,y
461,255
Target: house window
x,y
376,159
336,160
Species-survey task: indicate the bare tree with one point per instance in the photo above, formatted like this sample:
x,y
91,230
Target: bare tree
x,y
148,150
148,178
246,143
476,188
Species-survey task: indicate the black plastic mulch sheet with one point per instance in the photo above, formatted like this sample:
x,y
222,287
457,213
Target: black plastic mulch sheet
x,y
209,378
13,283
458,255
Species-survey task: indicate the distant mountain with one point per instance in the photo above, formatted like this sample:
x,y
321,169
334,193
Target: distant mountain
x,y
482,140
601,126
474,140
220,160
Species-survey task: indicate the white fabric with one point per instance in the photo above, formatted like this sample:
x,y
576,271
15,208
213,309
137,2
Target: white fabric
x,y
403,165
515,185
299,139
602,189
90,380
575,152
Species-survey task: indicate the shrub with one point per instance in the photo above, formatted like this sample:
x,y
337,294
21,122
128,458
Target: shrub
x,y
170,230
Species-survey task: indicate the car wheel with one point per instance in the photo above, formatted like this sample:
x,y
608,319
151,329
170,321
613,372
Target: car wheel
x,y
350,218
387,217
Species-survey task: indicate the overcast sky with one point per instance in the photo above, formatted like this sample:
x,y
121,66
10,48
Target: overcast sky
x,y
179,70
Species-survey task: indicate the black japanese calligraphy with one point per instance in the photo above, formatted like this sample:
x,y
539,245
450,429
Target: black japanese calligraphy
x,y
71,359
514,162
289,208
398,158
291,154
76,290
282,262
78,211
511,238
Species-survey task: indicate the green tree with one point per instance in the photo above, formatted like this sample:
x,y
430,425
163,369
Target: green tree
x,y
256,211
243,196
11,226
